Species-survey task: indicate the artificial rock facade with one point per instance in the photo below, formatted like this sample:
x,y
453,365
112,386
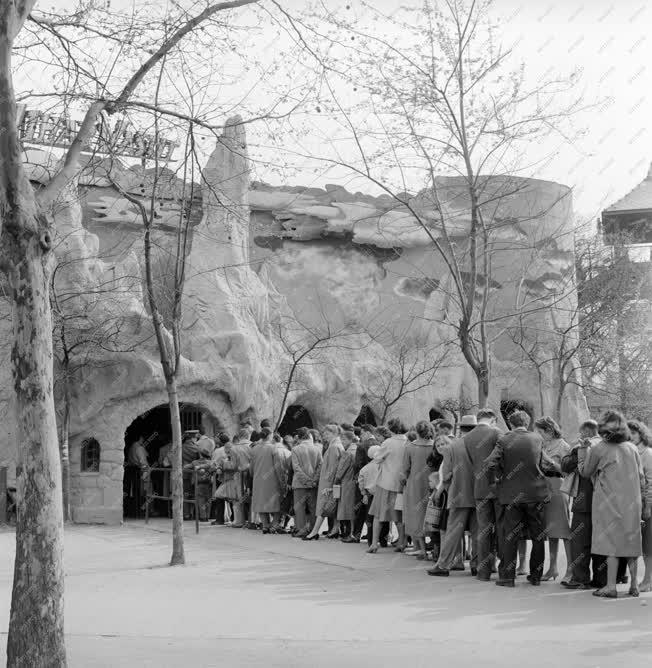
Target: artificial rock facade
x,y
263,257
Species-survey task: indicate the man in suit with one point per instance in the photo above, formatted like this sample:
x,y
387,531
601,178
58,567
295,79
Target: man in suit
x,y
522,493
456,477
480,443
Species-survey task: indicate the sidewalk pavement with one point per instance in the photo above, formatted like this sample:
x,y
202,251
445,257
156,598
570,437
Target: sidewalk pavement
x,y
244,599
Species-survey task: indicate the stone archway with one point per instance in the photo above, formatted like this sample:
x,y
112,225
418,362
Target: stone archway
x,y
295,416
155,428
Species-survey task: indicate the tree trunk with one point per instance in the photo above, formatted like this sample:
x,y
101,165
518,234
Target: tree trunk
x,y
482,376
64,449
178,554
36,636
540,382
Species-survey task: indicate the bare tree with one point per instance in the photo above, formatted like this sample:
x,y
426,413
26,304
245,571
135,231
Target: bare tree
x,y
584,345
36,629
308,344
412,365
441,99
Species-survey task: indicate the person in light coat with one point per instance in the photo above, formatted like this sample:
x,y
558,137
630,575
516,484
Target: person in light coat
x,y
457,478
414,478
344,477
614,466
330,462
388,486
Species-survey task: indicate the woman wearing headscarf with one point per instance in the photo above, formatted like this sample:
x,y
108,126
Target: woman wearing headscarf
x,y
642,439
414,479
614,466
330,462
388,486
556,512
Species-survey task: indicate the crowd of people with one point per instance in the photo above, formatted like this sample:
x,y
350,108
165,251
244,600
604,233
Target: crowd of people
x,y
452,493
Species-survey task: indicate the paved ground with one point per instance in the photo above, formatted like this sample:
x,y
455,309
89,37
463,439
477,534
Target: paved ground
x,y
245,599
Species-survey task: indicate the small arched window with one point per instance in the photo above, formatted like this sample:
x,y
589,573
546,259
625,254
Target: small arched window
x,y
90,456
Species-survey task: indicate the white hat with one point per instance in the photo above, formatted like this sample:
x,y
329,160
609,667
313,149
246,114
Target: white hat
x,y
373,451
468,421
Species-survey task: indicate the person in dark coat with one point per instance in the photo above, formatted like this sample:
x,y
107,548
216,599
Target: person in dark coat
x,y
522,492
582,495
480,443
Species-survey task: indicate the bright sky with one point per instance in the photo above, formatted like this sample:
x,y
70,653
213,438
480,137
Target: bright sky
x,y
606,41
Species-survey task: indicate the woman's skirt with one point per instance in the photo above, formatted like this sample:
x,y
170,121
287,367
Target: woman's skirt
x,y
556,512
646,536
383,508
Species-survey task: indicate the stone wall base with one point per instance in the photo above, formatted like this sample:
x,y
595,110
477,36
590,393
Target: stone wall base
x,y
97,515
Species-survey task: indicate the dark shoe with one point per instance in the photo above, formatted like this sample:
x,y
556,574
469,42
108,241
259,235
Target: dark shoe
x,y
350,539
572,584
266,531
332,536
382,543
505,583
457,568
440,572
535,582
484,578
474,572
315,537
601,593
300,534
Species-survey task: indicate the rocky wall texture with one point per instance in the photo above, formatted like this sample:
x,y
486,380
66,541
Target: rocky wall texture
x,y
267,266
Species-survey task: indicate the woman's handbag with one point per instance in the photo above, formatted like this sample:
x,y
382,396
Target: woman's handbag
x,y
337,491
431,514
398,504
329,506
228,490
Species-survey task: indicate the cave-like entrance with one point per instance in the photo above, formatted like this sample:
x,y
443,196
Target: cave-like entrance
x,y
366,416
155,428
434,414
295,416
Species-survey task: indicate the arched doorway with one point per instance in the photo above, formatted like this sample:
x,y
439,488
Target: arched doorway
x,y
295,416
366,416
155,428
508,406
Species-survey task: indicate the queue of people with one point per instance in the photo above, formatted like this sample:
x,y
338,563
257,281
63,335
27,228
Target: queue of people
x,y
454,493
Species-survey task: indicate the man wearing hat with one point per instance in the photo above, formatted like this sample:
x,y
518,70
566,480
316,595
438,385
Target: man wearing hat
x,y
456,477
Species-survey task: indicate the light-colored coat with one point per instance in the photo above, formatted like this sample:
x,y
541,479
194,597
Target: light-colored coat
x,y
329,466
390,457
457,476
268,472
618,489
369,477
306,463
346,479
416,491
